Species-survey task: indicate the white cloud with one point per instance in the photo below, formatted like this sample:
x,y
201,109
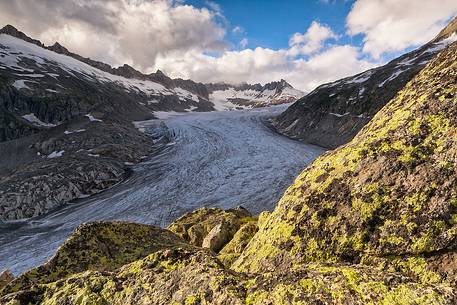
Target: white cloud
x,y
178,38
393,25
238,30
265,65
312,40
135,32
244,42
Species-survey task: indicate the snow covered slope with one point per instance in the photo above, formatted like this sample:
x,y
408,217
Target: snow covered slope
x,y
225,96
30,69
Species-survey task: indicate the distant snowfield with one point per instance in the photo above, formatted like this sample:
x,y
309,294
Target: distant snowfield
x,y
218,159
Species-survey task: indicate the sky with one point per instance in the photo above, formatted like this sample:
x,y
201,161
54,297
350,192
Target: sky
x,y
306,42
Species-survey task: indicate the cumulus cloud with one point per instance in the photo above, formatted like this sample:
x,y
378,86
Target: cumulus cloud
x,y
393,25
322,63
238,30
119,31
312,40
264,65
183,40
244,42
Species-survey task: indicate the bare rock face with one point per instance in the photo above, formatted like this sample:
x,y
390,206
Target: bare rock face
x,y
196,226
5,277
333,113
38,188
219,236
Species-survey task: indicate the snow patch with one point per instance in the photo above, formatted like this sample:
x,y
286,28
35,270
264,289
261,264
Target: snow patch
x,y
392,77
438,46
20,84
338,114
191,108
29,75
162,115
185,95
73,131
36,121
361,91
360,78
56,154
92,119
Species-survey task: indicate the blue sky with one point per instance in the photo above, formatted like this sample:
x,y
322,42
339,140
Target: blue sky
x,y
271,23
306,42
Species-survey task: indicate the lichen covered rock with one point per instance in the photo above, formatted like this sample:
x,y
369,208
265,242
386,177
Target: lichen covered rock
x,y
101,246
391,192
182,276
233,249
195,226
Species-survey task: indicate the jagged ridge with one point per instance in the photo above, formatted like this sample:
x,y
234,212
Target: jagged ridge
x,y
332,114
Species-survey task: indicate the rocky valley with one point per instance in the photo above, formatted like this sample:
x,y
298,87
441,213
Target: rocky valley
x,y
119,187
69,125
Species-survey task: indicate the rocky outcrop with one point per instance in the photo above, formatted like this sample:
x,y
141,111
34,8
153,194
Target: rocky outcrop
x,y
99,246
37,188
332,114
233,249
70,161
210,227
195,277
386,199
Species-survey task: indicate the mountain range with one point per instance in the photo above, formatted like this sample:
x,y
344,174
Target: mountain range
x,y
35,73
63,114
373,221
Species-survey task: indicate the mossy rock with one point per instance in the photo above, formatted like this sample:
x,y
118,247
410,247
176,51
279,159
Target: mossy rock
x,y
240,240
175,276
195,226
391,191
181,276
101,246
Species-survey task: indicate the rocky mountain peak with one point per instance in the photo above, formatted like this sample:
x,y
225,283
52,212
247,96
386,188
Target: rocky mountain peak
x,y
12,31
129,72
161,77
58,48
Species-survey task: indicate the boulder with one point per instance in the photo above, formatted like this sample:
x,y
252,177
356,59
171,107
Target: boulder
x,y
195,226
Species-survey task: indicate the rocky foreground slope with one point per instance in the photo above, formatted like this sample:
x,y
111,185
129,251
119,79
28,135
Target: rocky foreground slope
x,y
68,123
334,113
373,222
